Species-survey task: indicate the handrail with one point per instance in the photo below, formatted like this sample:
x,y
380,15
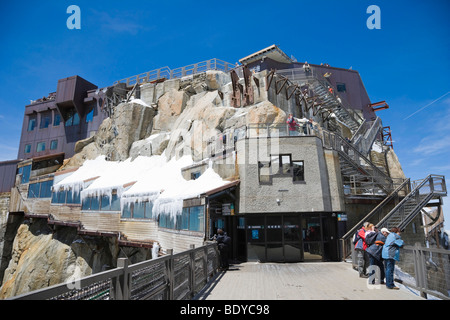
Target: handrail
x,y
410,195
375,210
167,73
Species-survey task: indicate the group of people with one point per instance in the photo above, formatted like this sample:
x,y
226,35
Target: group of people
x,y
377,252
293,125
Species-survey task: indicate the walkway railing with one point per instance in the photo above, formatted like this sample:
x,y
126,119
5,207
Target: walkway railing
x,y
167,73
426,270
171,277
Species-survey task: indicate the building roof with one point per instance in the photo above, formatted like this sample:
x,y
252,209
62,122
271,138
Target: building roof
x,y
272,52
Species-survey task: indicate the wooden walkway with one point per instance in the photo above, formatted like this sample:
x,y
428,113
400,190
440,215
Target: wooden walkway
x,y
297,281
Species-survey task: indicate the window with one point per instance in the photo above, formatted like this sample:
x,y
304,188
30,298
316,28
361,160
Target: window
x,y
59,196
45,121
195,175
56,119
136,210
25,172
341,87
281,164
31,124
90,115
191,218
298,171
53,144
102,203
27,148
40,146
73,118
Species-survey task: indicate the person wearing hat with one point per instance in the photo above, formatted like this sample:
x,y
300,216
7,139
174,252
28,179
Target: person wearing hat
x,y
390,254
375,243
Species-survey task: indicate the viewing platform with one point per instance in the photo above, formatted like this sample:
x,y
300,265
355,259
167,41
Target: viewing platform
x,y
297,281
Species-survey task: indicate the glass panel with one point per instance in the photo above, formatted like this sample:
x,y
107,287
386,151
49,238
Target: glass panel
x,y
105,204
255,229
274,231
275,252
54,197
76,119
90,115
298,171
148,210
95,203
311,229
45,121
40,147
62,196
46,189
184,223
126,212
275,164
86,203
139,210
53,144
33,190
115,202
196,218
56,120
285,164
256,252
312,251
26,171
28,148
292,252
291,229
31,124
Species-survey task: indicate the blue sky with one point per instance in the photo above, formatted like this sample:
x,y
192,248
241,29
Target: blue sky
x,y
406,62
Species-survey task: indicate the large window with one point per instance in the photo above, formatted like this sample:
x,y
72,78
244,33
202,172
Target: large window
x,y
66,197
31,124
46,119
40,189
280,165
56,119
40,147
73,118
138,210
25,172
191,218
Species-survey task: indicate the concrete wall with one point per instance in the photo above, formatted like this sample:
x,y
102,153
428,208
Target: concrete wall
x,y
320,191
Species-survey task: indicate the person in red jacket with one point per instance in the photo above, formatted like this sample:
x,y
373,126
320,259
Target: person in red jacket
x,y
360,248
293,125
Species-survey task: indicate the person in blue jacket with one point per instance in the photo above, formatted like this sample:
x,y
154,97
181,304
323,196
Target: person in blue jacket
x,y
390,254
375,242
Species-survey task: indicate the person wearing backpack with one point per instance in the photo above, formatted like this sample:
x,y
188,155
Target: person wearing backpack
x,y
375,244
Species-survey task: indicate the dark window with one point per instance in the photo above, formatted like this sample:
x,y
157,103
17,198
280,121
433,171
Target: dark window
x,y
28,148
31,124
56,120
195,175
53,144
298,171
45,121
341,87
73,118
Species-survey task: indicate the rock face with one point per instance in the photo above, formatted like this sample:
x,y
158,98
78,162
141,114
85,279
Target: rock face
x,y
41,258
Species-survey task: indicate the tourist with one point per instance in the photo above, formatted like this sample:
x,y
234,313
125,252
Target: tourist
x,y
292,124
375,244
360,248
390,254
224,244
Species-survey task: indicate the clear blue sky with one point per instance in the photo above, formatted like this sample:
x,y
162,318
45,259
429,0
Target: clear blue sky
x,y
406,62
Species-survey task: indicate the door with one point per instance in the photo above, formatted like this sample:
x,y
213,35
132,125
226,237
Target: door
x,y
312,237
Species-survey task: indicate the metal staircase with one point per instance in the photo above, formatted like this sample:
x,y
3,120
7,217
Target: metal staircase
x,y
404,211
356,168
432,187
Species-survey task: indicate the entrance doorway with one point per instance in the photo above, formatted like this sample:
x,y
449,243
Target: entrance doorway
x,y
291,237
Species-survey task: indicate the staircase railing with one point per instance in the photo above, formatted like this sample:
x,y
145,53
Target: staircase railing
x,y
414,201
404,187
352,155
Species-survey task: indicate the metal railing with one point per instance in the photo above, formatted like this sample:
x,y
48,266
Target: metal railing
x,y
171,277
167,73
426,270
423,191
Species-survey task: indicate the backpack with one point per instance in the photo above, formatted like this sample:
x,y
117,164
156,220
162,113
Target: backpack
x,y
370,238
